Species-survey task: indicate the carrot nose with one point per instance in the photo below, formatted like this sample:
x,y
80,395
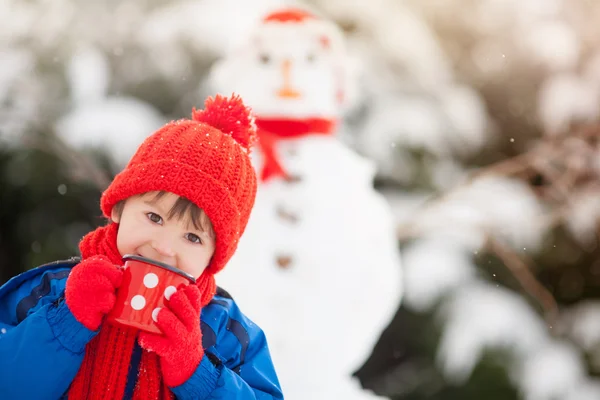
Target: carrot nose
x,y
287,91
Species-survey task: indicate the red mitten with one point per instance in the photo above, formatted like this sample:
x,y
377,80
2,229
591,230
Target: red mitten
x,y
180,346
90,290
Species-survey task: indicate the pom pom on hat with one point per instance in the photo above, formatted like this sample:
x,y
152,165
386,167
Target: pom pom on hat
x,y
230,116
206,160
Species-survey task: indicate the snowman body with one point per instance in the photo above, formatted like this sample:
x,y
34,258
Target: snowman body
x,y
318,267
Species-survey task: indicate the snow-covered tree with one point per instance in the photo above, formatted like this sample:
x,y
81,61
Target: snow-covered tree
x,y
480,115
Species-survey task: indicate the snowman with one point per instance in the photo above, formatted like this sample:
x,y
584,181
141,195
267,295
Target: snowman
x,y
318,266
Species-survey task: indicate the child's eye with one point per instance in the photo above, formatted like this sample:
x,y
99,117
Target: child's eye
x,y
192,237
157,219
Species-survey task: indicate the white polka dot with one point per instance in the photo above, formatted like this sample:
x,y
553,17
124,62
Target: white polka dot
x,y
155,314
150,280
169,292
138,302
3,330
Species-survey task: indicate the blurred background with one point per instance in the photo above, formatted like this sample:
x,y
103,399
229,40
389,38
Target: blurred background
x,y
481,115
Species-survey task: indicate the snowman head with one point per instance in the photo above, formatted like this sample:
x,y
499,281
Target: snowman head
x,y
293,65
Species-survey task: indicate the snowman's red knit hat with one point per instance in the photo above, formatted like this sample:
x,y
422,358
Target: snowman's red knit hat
x,y
206,160
289,15
301,19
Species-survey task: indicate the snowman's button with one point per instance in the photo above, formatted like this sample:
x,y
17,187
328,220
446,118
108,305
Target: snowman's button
x,y
284,262
169,292
293,178
286,215
155,314
138,302
150,280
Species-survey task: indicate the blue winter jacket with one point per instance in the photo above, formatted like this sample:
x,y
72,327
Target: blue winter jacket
x,y
42,345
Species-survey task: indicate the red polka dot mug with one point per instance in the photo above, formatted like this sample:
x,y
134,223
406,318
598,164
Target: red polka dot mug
x,y
146,285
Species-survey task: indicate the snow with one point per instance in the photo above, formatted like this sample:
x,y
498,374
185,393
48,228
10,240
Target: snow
x,y
21,20
586,389
206,24
433,267
480,317
591,71
489,57
536,9
412,122
400,35
451,121
117,124
447,173
566,98
553,44
582,216
501,207
583,324
554,372
524,11
467,115
88,74
404,204
410,42
19,94
14,62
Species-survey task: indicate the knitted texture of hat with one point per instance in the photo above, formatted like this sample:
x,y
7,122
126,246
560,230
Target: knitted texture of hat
x,y
206,160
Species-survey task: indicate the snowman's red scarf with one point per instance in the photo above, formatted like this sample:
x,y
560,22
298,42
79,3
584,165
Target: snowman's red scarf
x,y
103,373
270,131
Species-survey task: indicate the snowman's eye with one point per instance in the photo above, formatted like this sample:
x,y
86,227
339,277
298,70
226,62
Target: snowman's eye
x,y
264,59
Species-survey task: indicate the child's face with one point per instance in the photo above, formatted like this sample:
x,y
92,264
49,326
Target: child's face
x,y
145,230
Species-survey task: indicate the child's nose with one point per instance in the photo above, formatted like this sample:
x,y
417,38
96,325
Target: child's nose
x,y
163,249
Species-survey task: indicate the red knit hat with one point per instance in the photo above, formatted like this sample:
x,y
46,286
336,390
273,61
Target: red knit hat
x,y
206,160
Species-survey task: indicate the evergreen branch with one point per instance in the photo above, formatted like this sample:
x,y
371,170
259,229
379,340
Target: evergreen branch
x,y
520,270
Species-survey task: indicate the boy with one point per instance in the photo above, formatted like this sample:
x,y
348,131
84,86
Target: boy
x,y
184,199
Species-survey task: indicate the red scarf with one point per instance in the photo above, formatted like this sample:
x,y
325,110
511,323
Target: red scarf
x,y
270,131
103,373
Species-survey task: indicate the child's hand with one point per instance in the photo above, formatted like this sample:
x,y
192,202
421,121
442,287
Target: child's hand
x,y
180,345
90,290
